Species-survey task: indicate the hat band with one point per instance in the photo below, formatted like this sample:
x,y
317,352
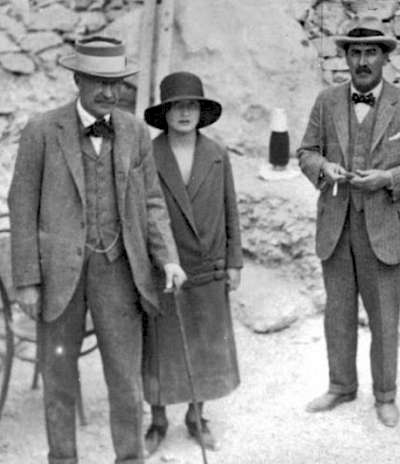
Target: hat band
x,y
101,64
361,32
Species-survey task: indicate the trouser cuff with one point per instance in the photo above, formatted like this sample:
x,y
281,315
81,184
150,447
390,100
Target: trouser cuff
x,y
342,389
130,461
62,460
385,397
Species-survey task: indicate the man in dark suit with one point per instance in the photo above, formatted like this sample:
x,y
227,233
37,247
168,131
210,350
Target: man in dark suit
x,y
351,152
88,223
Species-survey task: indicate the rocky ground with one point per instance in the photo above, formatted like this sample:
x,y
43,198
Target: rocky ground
x,y
282,358
262,422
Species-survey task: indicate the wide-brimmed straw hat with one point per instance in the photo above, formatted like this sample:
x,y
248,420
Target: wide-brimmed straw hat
x,y
101,57
366,30
182,86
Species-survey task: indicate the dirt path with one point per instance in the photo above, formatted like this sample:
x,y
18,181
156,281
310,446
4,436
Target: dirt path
x,y
262,422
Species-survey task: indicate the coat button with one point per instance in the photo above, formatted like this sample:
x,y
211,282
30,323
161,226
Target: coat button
x,y
82,225
218,275
79,251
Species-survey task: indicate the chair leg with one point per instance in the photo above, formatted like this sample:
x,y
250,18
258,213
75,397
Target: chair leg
x,y
7,351
35,380
36,372
79,404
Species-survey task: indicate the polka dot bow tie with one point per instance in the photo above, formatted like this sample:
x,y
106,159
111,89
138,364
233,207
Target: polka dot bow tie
x,y
101,128
368,99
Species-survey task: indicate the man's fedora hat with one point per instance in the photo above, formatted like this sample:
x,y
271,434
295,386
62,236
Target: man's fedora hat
x,y
101,57
366,30
182,86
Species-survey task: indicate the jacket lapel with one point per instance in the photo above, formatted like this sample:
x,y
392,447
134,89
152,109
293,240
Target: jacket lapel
x,y
124,144
385,112
169,172
341,119
68,138
202,163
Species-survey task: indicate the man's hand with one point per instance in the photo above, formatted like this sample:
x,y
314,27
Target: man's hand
x,y
174,277
233,278
371,179
333,172
28,298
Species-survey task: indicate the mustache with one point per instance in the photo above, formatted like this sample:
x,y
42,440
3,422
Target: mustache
x,y
363,69
104,99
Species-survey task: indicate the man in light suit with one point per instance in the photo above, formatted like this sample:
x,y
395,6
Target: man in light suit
x,y
351,152
88,223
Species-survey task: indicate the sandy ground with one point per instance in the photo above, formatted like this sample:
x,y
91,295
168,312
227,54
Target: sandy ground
x,y
264,421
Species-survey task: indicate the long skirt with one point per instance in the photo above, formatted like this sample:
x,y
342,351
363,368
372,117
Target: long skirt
x,y
208,325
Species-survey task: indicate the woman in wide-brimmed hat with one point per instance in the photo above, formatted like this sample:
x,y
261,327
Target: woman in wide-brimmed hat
x,y
196,178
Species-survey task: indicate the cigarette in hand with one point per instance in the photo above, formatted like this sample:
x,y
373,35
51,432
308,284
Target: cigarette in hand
x,y
334,189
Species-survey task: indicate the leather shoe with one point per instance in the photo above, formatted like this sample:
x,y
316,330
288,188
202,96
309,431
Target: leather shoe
x,y
329,401
387,413
209,441
154,436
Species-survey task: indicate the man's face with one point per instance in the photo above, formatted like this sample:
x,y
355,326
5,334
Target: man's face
x,y
366,62
183,116
98,95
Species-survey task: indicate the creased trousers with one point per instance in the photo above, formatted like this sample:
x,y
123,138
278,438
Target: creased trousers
x,y
353,269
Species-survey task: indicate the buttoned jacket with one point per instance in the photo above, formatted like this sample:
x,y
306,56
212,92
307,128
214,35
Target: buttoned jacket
x,y
204,214
48,207
327,138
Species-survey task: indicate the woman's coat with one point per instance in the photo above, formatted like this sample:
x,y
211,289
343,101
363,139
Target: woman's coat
x,y
205,224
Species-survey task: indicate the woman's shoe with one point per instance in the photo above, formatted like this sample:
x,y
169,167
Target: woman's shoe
x,y
208,439
154,436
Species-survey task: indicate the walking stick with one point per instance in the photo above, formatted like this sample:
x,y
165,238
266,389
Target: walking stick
x,y
189,371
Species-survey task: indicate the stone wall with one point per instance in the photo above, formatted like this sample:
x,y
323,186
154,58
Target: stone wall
x,y
323,19
252,56
32,37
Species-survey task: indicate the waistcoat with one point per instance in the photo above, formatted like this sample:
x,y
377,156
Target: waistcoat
x,y
360,139
102,217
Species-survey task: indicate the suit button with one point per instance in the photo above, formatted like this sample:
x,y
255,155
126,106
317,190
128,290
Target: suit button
x,y
218,275
79,251
219,264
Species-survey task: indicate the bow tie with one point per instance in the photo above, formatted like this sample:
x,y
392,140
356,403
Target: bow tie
x,y
100,128
368,99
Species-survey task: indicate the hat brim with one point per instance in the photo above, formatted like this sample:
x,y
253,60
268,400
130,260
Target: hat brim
x,y
70,62
210,112
343,41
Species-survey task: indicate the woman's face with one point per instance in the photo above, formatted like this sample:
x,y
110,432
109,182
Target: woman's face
x,y
183,116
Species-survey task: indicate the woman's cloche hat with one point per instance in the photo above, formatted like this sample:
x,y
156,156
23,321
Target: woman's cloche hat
x,y
182,86
366,30
101,57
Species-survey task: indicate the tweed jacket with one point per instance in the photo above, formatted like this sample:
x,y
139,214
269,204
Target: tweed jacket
x,y
327,137
48,207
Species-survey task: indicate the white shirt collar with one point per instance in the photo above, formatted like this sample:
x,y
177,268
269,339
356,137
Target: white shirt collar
x,y
376,91
86,118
